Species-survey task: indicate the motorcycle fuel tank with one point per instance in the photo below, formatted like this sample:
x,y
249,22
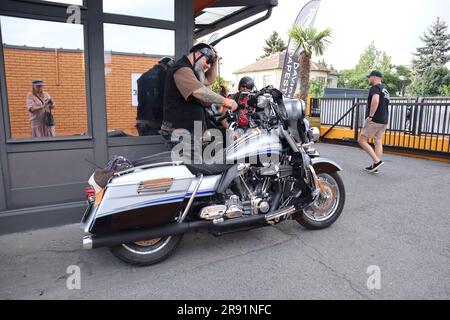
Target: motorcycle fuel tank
x,y
255,145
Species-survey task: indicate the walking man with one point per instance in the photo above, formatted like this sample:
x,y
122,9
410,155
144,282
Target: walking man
x,y
377,116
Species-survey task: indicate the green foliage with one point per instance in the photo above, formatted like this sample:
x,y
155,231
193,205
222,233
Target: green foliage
x,y
435,53
273,44
317,88
395,78
312,40
219,82
445,90
433,82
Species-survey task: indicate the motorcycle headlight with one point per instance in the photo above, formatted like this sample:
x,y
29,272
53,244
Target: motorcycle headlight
x,y
295,108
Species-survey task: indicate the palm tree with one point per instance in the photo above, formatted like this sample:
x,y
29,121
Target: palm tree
x,y
313,42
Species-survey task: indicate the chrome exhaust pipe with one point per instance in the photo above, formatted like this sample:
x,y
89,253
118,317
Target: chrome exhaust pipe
x,y
172,229
87,242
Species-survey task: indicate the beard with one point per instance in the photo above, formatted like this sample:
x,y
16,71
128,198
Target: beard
x,y
200,73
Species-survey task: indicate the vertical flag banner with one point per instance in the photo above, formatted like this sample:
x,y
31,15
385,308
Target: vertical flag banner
x,y
290,76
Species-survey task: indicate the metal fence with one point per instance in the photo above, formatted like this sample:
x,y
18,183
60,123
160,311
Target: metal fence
x,y
414,123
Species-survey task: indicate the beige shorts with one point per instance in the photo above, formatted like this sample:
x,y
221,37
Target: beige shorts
x,y
373,130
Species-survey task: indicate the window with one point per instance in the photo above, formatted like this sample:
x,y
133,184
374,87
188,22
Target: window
x,y
267,80
129,52
156,9
54,53
75,2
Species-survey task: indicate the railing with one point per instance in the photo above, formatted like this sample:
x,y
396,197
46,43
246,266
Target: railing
x,y
421,124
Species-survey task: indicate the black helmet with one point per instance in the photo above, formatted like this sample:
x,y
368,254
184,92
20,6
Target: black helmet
x,y
246,82
168,61
205,50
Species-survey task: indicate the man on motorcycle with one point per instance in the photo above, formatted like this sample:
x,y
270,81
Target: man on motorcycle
x,y
246,85
188,90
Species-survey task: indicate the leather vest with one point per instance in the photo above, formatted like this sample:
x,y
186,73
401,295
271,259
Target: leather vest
x,y
179,113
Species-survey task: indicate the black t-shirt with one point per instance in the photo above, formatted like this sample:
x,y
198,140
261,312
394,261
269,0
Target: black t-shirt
x,y
382,113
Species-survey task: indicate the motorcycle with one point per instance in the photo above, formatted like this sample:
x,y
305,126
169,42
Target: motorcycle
x,y
142,209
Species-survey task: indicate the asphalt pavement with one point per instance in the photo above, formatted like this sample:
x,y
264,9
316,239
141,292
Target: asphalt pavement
x,y
392,241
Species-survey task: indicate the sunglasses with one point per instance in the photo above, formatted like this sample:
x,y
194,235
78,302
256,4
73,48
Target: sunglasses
x,y
210,55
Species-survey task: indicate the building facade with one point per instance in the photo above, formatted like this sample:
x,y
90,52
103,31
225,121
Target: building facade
x,y
89,54
268,71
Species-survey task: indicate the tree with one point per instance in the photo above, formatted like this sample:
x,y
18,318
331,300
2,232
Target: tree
x,y
433,82
313,42
436,50
219,82
445,90
317,88
395,78
273,44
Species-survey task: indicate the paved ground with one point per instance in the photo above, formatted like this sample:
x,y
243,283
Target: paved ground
x,y
398,220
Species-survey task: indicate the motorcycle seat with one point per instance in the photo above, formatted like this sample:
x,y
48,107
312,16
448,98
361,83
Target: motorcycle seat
x,y
208,169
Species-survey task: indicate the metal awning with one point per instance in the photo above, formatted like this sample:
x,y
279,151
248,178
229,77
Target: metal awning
x,y
212,15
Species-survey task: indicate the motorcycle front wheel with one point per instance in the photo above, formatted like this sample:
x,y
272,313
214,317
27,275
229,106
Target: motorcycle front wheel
x,y
323,212
144,253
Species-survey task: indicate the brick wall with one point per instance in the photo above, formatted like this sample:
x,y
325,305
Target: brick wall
x,y
63,72
118,70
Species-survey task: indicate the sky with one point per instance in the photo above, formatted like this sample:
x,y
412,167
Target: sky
x,y
393,25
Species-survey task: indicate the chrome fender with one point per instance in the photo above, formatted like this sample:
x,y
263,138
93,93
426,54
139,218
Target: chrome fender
x,y
323,165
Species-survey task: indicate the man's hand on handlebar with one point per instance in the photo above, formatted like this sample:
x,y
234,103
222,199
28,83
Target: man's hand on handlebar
x,y
228,104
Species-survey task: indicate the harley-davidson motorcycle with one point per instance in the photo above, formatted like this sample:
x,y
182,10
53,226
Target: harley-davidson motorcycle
x,y
272,173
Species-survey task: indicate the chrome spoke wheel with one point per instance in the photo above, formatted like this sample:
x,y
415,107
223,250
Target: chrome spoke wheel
x,y
327,202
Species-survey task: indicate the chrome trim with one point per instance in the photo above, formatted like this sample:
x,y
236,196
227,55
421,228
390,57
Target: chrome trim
x,y
270,217
87,242
314,179
151,165
194,193
134,183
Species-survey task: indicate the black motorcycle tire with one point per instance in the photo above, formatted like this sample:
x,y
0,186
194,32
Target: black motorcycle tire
x,y
311,224
137,255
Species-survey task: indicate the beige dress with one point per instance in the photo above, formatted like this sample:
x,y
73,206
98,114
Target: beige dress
x,y
37,118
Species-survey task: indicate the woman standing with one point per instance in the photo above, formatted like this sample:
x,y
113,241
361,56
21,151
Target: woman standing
x,y
38,104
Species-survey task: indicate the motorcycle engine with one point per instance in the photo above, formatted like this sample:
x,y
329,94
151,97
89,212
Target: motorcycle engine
x,y
233,208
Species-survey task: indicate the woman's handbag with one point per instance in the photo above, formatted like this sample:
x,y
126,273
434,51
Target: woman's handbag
x,y
49,119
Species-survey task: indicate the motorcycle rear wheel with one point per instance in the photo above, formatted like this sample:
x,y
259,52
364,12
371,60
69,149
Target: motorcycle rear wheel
x,y
145,253
328,207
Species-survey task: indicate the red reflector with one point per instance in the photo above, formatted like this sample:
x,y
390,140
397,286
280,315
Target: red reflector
x,y
90,192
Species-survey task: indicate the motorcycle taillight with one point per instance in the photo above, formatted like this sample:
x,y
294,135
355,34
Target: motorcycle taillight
x,y
90,193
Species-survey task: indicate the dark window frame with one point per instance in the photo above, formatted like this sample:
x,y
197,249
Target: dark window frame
x,y
61,16
56,12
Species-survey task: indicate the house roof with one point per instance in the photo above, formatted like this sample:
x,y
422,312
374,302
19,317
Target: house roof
x,y
275,61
